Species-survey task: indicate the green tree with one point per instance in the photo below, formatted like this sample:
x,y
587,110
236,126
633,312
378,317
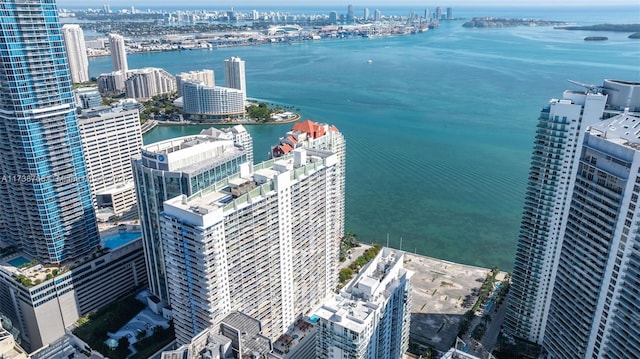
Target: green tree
x,y
141,335
260,112
345,274
122,351
350,240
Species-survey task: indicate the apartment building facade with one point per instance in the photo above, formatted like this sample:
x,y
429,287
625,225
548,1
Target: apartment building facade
x,y
264,242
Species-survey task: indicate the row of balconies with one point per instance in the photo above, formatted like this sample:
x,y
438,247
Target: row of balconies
x,y
594,218
593,243
595,191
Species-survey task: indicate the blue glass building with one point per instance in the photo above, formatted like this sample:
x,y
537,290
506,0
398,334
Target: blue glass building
x,y
182,166
45,200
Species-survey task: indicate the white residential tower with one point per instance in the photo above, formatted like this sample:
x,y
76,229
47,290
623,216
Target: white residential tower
x,y
170,168
76,52
118,53
205,76
234,75
574,286
264,242
110,139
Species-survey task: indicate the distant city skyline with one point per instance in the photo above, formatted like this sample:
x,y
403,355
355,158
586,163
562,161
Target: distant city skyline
x,y
338,4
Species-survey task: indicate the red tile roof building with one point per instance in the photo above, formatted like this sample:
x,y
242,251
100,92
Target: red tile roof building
x,y
318,136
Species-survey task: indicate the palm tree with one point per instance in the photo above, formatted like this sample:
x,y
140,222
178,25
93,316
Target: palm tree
x,y
350,240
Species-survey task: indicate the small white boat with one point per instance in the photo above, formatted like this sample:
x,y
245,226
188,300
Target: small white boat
x,y
370,61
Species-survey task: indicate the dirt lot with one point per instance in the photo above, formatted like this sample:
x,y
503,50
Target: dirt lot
x,y
442,292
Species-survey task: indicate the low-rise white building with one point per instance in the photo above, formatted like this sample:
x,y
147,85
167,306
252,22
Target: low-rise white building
x,y
43,302
8,346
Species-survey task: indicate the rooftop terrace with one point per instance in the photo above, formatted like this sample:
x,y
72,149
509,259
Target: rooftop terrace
x,y
30,272
237,190
361,298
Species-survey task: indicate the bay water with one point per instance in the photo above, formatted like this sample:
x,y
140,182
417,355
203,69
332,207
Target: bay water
x,y
439,125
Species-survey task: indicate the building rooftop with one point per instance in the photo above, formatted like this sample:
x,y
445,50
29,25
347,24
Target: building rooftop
x,y
190,154
457,354
251,339
623,128
243,323
205,345
294,336
235,328
240,188
9,349
352,308
28,270
181,143
302,132
350,314
309,127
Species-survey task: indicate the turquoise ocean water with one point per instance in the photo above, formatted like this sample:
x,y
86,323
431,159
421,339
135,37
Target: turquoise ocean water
x,y
439,126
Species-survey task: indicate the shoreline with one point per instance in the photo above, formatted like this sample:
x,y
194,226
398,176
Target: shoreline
x,y
260,38
295,118
248,44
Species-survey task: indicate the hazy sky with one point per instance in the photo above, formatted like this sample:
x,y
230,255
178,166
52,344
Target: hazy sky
x,y
223,4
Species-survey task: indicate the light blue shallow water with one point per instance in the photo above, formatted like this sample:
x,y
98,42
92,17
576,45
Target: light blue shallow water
x,y
439,126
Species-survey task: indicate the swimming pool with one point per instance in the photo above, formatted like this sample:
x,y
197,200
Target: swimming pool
x,y
119,239
314,319
487,309
18,261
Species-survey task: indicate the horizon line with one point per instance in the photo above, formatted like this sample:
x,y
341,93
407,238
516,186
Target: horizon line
x,y
324,6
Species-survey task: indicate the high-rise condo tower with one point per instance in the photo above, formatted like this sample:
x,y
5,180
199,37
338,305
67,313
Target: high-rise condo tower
x,y
370,317
234,75
118,53
45,201
264,243
180,166
575,280
76,52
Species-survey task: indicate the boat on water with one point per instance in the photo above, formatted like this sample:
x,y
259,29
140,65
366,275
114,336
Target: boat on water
x,y
370,61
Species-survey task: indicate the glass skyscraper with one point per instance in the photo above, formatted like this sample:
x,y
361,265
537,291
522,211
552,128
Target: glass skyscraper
x,y
45,201
575,280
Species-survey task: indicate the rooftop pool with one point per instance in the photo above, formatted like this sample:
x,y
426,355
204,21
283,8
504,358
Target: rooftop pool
x,y
116,240
18,261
